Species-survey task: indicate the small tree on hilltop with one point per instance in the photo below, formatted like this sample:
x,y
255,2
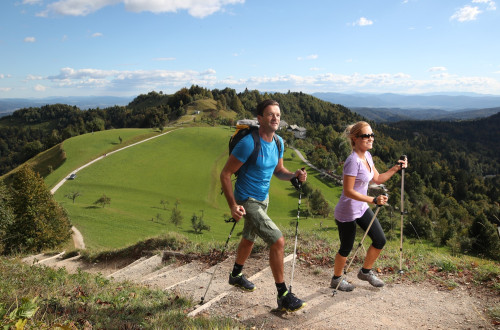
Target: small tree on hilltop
x,y
103,200
198,224
73,195
176,217
164,203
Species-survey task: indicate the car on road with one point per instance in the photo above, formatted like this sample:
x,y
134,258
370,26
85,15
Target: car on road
x,y
72,176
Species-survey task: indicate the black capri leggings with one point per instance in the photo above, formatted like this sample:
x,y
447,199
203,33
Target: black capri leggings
x,y
347,232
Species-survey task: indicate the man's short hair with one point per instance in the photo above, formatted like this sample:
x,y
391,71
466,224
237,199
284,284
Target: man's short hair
x,y
264,104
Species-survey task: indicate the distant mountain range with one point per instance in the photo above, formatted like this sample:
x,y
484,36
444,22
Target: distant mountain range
x,y
397,107
9,105
377,107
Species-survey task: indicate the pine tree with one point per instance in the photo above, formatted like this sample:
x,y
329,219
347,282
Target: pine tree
x,y
39,221
6,215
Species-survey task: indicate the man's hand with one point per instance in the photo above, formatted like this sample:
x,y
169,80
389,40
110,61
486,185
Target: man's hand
x,y
237,211
301,174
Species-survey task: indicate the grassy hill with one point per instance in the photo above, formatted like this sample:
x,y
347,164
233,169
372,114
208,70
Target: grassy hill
x,y
183,165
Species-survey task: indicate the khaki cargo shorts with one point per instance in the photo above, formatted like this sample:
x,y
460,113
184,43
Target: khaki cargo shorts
x,y
258,223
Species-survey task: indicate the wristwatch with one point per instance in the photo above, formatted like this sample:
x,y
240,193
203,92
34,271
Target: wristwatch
x,y
375,200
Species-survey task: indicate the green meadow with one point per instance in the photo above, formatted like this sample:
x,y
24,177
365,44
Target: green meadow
x,y
181,167
81,149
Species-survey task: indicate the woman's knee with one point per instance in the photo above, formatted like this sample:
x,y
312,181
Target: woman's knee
x,y
379,243
344,251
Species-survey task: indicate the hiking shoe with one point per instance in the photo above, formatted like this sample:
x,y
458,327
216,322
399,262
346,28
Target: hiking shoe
x,y
241,282
288,302
371,278
343,286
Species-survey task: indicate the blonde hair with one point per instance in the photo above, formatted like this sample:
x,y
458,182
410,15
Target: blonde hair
x,y
352,131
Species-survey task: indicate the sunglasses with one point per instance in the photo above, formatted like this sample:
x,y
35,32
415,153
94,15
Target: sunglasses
x,y
366,136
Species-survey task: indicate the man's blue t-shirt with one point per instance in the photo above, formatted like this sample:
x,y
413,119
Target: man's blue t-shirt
x,y
254,179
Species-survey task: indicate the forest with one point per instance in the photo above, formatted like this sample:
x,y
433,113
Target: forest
x,y
451,186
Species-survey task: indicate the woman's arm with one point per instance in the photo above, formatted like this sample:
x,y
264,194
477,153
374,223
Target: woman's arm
x,y
381,178
353,194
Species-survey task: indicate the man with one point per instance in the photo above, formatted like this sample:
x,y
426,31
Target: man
x,y
250,199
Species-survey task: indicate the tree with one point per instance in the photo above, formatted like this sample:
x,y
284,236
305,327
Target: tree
x,y
6,215
198,224
39,221
103,200
176,217
73,195
484,238
236,105
319,204
164,203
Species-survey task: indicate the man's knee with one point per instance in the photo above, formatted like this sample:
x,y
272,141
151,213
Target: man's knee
x,y
246,243
279,244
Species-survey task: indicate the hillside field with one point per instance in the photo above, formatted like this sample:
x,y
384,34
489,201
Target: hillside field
x,y
183,165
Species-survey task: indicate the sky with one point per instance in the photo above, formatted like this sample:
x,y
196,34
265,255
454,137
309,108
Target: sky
x,y
131,47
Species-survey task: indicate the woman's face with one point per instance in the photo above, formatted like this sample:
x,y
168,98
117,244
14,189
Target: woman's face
x,y
364,140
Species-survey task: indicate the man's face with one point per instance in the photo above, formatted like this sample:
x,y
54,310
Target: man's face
x,y
270,119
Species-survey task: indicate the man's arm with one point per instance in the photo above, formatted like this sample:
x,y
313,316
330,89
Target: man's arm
x,y
282,173
232,165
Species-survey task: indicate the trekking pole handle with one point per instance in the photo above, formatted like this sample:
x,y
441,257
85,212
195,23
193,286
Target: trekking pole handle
x,y
375,200
403,157
296,182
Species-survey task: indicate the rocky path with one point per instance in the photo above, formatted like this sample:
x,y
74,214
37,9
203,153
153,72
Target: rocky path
x,y
398,305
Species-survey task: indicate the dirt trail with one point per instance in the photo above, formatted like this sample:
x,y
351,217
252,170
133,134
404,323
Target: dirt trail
x,y
399,305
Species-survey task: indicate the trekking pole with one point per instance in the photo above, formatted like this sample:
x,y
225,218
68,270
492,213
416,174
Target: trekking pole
x,y
298,185
403,157
356,251
220,259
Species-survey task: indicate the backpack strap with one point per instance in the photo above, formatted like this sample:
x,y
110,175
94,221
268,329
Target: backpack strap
x,y
256,147
278,144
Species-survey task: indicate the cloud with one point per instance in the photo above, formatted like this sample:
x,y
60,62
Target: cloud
x,y
33,77
208,72
466,13
130,82
31,2
164,59
40,88
195,8
308,57
29,39
5,89
96,35
437,69
491,4
363,21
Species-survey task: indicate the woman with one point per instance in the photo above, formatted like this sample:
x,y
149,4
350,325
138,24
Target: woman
x,y
352,207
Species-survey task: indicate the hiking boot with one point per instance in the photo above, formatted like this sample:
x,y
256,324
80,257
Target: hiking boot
x,y
288,302
343,286
241,282
371,278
